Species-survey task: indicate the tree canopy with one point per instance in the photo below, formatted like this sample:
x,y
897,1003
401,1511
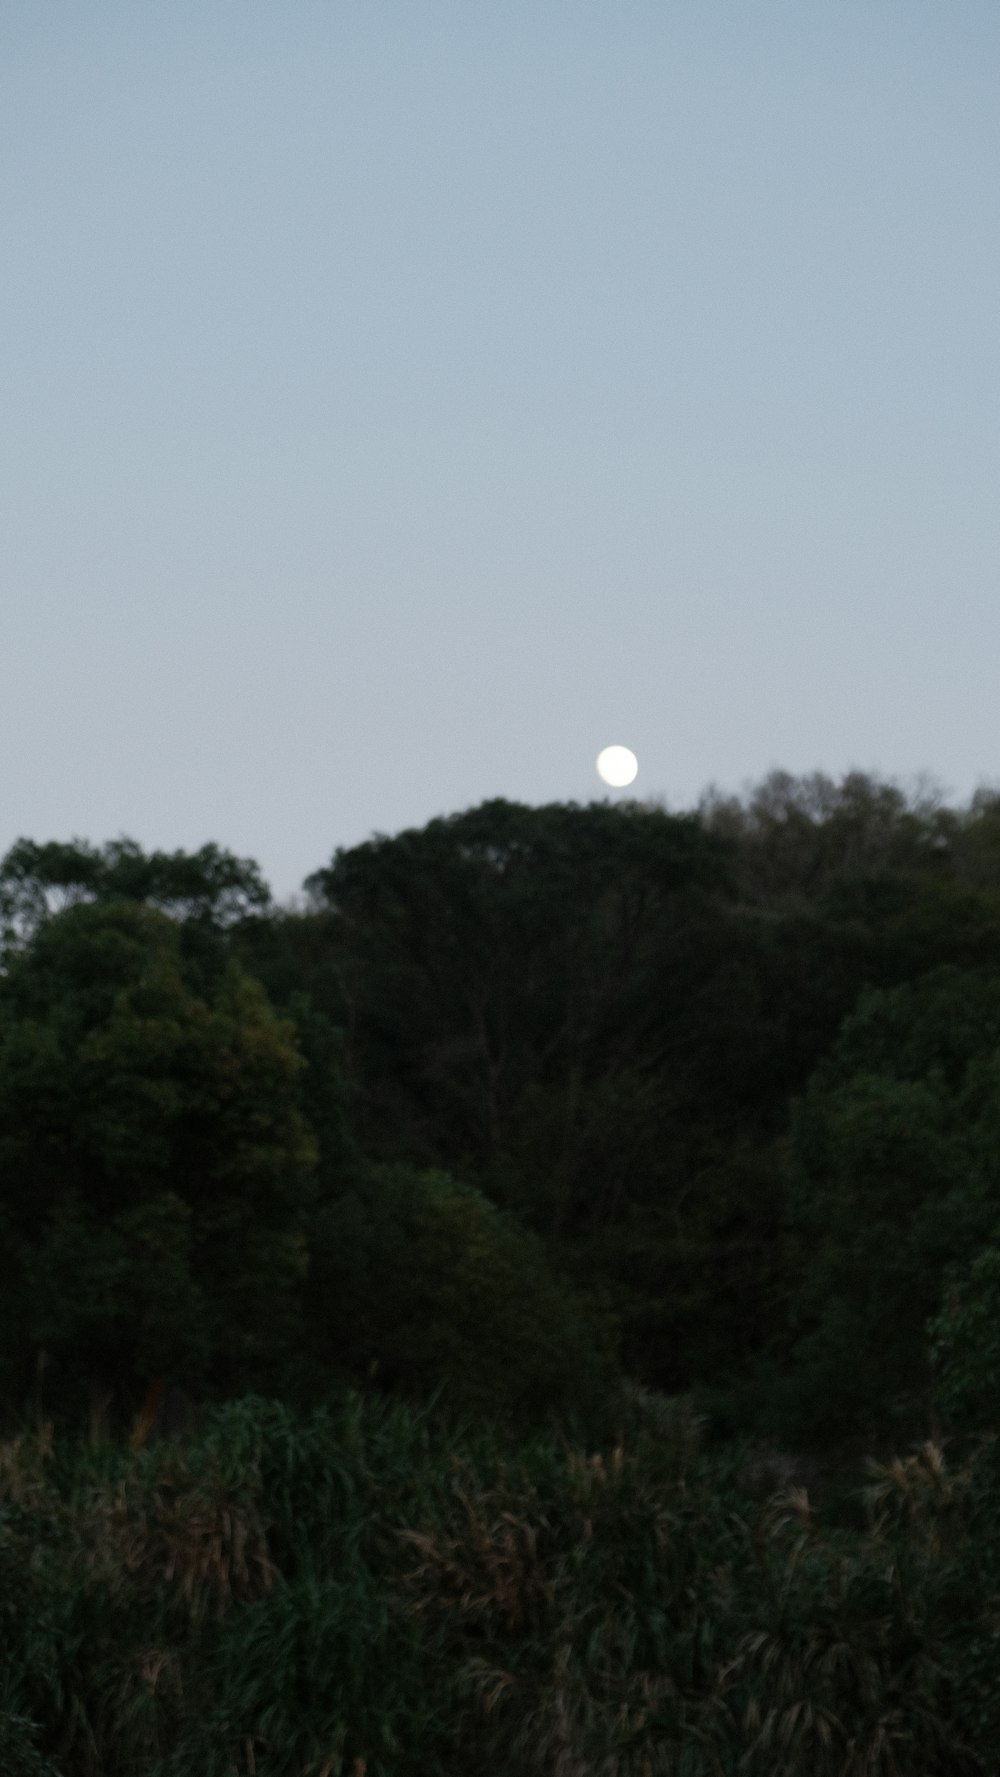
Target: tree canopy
x,y
728,1077
154,1157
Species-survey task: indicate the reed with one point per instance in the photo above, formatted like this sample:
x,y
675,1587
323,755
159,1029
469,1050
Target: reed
x,y
370,1590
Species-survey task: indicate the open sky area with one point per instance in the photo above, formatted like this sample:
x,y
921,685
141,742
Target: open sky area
x,y
402,399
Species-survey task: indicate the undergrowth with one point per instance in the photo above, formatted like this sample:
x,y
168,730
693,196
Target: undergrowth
x,y
368,1592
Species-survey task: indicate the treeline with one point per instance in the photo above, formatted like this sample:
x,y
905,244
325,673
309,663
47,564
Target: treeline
x,y
513,1115
515,1104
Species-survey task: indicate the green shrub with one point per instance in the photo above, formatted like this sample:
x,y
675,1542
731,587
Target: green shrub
x,y
426,1284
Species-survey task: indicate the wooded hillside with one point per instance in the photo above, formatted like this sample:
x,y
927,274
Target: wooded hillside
x,y
515,1120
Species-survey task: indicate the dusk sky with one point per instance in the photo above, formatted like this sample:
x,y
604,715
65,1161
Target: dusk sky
x,y
403,400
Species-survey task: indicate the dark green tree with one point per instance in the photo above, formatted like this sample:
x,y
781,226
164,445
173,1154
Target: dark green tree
x,y
896,1177
419,1283
155,1166
965,1344
37,880
502,970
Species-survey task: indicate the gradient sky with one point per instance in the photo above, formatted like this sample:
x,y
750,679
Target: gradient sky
x,y
403,399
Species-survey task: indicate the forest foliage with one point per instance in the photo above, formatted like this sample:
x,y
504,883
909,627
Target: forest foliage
x,y
514,1122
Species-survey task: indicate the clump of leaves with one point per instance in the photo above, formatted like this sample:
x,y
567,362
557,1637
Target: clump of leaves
x,y
165,1529
839,1675
19,1752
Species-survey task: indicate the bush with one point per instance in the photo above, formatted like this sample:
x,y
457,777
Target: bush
x,y
423,1283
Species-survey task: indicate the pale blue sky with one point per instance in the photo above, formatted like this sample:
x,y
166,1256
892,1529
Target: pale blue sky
x,y
403,400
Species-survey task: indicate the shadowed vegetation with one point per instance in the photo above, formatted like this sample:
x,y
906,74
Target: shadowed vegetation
x,y
533,1306
363,1589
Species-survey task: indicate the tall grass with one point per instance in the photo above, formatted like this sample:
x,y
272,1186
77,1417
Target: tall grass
x,y
368,1592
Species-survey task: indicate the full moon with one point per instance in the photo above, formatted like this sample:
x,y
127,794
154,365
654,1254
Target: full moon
x,y
617,766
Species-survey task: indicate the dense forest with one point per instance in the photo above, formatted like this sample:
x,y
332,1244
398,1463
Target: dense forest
x,y
530,1305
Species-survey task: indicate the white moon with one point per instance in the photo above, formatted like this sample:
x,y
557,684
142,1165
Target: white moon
x,y
617,766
